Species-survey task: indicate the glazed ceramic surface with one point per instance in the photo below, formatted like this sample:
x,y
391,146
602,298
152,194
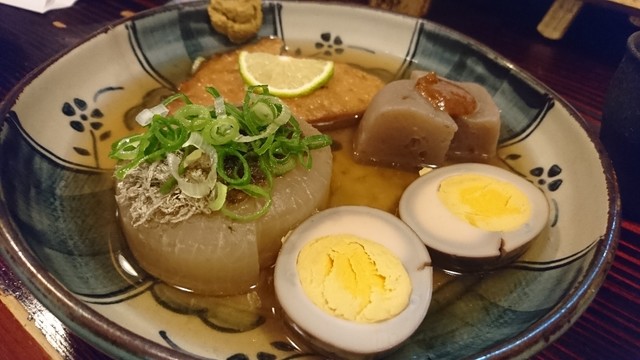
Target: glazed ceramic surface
x,y
61,235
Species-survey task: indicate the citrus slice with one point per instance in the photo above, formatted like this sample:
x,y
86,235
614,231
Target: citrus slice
x,y
286,76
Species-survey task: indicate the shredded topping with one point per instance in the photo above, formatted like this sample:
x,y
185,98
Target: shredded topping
x,y
186,162
141,189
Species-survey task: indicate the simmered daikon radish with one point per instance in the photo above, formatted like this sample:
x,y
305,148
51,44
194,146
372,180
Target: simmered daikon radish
x,y
207,216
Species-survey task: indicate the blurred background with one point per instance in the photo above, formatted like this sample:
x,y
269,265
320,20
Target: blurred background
x,y
573,47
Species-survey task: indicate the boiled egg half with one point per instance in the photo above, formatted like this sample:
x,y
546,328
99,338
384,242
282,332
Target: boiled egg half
x,y
474,216
354,281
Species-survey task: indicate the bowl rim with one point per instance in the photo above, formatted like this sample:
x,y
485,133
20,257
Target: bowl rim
x,y
115,340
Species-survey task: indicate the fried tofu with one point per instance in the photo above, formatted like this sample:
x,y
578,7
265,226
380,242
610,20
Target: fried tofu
x,y
340,102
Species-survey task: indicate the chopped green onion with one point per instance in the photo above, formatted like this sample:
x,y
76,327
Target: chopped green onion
x,y
256,192
261,134
177,96
263,113
218,102
221,130
146,115
193,188
316,141
220,197
193,117
233,167
168,185
191,158
127,148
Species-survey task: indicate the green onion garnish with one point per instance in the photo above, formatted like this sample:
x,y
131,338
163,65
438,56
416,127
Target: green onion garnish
x,y
245,147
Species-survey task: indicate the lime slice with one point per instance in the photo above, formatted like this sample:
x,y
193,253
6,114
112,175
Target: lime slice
x,y
286,76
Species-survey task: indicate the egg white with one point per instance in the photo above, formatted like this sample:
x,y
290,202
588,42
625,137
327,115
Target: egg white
x,y
443,231
352,337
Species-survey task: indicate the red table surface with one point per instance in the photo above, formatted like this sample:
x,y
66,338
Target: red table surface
x,y
578,67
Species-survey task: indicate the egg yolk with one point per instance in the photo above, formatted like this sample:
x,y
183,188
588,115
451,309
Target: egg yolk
x,y
485,202
353,278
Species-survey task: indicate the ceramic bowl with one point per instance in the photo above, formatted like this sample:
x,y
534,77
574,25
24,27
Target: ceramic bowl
x,y
60,234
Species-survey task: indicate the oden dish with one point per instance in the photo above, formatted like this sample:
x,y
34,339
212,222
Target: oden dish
x,y
208,192
65,242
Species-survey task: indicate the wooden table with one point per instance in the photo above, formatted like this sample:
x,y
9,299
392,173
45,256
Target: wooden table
x,y
578,67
